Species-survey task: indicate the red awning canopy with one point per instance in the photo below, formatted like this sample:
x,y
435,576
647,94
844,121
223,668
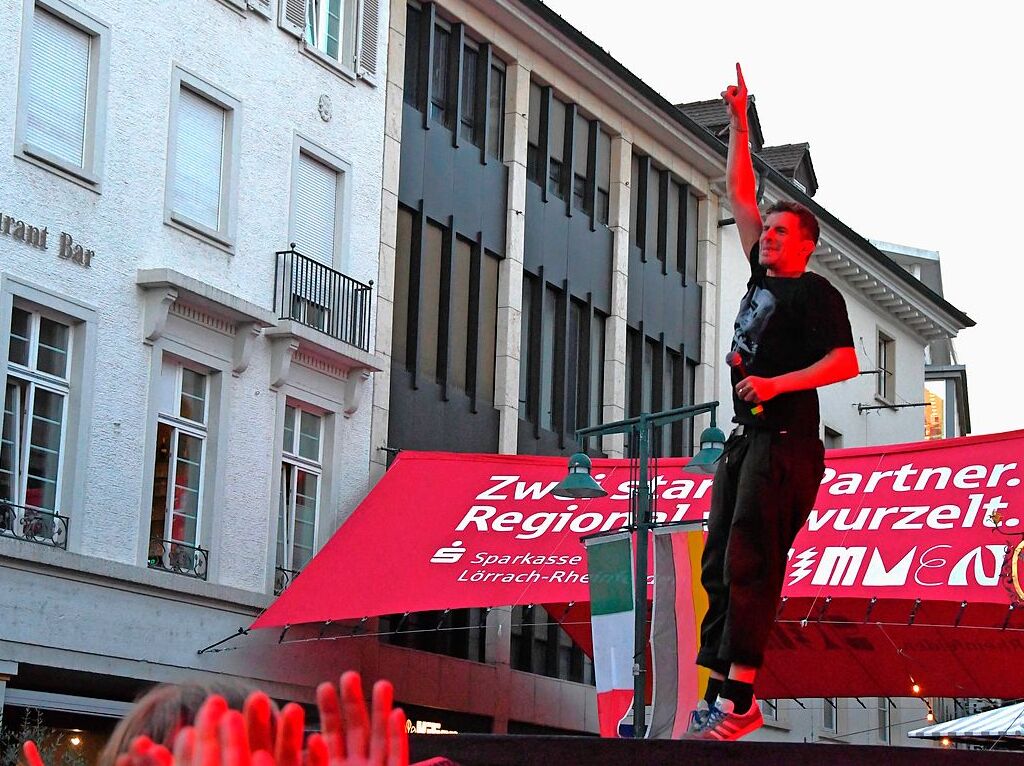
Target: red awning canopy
x,y
900,575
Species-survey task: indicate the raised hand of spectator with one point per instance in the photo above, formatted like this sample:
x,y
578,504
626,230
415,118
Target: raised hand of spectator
x,y
32,757
349,736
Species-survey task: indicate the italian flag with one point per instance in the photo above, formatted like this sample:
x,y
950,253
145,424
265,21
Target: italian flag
x,y
679,606
610,569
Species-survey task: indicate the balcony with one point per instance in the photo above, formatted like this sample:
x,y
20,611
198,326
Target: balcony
x,y
33,525
283,578
313,294
178,558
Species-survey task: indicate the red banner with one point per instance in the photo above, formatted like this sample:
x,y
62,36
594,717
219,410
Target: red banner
x,y
929,521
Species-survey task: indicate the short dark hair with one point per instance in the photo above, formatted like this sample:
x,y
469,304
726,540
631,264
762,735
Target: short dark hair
x,y
808,221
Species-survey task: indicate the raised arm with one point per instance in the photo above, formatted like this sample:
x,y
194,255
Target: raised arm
x,y
740,180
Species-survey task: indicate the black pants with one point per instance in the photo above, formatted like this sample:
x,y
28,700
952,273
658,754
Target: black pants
x,y
763,492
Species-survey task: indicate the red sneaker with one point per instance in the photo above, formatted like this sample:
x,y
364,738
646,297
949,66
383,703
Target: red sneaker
x,y
723,723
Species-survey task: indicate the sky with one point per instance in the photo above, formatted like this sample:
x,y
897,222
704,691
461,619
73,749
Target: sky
x,y
913,113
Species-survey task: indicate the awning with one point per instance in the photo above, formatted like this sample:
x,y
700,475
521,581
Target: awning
x,y
905,573
1002,723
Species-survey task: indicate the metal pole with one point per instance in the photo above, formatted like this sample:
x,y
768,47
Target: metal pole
x,y
643,508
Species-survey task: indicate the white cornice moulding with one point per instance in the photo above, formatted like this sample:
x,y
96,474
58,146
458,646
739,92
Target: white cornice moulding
x,y
879,287
163,288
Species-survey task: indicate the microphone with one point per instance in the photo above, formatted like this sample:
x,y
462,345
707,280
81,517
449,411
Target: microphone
x,y
735,360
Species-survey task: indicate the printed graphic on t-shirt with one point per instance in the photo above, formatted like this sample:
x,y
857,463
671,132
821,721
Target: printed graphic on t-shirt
x,y
756,311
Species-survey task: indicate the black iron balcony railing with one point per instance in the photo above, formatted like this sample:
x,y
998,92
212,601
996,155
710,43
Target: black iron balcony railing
x,y
312,293
283,578
33,525
179,558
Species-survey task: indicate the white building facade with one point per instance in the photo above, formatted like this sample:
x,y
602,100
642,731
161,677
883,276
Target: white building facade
x,y
191,206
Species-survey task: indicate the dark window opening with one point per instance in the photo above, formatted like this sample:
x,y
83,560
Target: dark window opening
x,y
582,172
459,320
496,112
534,163
455,632
549,341
527,357
440,107
602,206
540,646
488,339
429,308
469,124
555,178
603,181
403,267
413,41
691,237
579,193
556,149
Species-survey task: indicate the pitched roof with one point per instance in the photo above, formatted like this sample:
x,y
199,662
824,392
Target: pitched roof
x,y
784,158
787,158
710,114
713,116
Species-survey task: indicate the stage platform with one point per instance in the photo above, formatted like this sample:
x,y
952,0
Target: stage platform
x,y
495,750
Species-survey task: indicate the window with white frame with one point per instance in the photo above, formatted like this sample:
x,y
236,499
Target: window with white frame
x,y
301,480
344,34
330,28
62,101
886,368
182,433
830,710
769,709
883,719
36,395
202,158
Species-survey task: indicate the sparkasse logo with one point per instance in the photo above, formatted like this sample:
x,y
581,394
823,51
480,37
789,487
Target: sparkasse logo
x,y
449,555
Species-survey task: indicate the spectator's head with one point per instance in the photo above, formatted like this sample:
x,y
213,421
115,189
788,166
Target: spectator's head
x,y
163,711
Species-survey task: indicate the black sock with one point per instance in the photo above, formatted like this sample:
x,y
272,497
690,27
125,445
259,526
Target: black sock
x,y
714,687
739,693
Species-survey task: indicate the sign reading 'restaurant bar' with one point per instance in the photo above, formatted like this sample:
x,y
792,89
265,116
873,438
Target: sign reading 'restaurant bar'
x,y
37,237
937,520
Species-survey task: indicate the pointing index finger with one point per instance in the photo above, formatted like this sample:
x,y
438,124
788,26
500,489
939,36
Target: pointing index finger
x,y
739,77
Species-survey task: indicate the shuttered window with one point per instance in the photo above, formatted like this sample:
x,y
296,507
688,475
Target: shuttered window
x,y
346,31
64,56
202,159
369,37
199,160
315,211
58,98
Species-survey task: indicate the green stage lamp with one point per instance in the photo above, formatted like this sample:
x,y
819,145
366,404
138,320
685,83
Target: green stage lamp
x,y
578,484
712,443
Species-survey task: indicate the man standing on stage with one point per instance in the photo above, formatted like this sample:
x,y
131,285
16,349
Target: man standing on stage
x,y
792,336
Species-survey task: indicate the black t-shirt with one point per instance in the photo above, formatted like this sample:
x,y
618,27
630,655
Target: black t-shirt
x,y
786,324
